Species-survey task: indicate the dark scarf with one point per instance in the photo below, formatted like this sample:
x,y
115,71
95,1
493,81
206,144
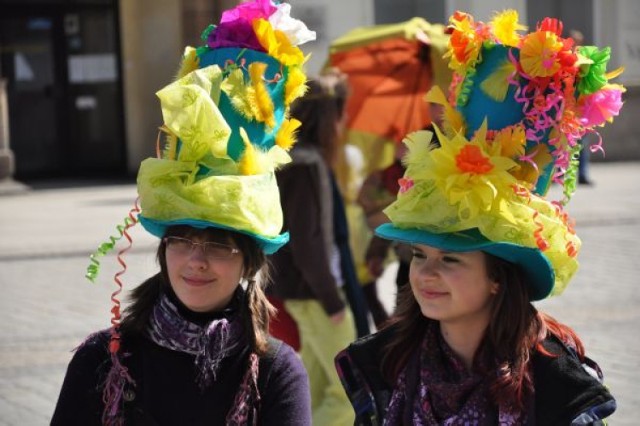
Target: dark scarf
x,y
211,343
435,388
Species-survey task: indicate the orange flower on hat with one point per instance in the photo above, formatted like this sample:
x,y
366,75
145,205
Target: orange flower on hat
x,y
472,175
539,54
465,42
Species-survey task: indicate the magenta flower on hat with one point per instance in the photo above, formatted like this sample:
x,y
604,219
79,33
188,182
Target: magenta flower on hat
x,y
249,11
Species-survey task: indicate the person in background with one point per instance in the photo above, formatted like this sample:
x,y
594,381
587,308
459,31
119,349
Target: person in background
x,y
193,346
313,273
466,345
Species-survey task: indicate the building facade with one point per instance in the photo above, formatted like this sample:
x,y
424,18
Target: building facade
x,y
81,75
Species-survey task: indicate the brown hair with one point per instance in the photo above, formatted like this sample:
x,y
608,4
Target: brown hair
x,y
319,110
515,328
256,310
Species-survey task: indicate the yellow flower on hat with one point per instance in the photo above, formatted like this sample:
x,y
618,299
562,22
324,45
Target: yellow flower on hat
x,y
538,54
471,174
505,27
277,43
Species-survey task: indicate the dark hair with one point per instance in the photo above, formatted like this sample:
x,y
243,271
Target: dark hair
x,y
256,310
515,328
319,110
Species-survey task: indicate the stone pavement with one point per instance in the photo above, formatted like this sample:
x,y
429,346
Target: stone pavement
x,y
47,307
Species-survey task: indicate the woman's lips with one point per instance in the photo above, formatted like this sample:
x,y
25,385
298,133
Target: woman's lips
x,y
196,282
431,294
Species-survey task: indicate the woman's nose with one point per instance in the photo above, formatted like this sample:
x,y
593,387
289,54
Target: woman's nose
x,y
198,255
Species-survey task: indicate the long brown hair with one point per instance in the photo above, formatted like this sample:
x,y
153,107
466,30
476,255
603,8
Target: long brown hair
x,y
256,311
514,330
319,110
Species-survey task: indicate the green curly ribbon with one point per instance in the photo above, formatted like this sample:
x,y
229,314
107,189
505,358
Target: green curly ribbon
x,y
466,87
94,267
205,34
571,173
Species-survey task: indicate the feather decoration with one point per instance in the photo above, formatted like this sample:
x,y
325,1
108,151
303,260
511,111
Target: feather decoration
x,y
249,162
453,120
264,110
190,62
239,93
169,151
496,84
286,136
295,86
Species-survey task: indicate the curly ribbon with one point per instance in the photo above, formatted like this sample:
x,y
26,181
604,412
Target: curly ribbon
x,y
540,241
94,267
466,87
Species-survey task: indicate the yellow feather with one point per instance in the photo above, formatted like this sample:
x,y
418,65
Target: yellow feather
x,y
453,120
295,86
190,62
249,162
264,104
496,85
239,94
613,74
286,136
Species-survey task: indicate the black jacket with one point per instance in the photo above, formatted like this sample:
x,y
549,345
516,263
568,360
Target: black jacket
x,y
166,392
566,393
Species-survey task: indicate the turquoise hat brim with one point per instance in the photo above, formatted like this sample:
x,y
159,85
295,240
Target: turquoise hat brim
x,y
159,228
537,268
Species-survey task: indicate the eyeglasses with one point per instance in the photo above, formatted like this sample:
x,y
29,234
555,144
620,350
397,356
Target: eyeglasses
x,y
211,250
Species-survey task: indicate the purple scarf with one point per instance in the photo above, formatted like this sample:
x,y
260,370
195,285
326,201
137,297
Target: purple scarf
x,y
435,388
210,344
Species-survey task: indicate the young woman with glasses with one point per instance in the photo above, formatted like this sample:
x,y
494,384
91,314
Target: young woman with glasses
x,y
193,345
186,339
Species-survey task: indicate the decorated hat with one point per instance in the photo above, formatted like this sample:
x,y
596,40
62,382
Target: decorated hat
x,y
227,127
516,110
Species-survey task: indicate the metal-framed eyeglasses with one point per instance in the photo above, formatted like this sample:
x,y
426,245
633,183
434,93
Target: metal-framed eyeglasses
x,y
211,250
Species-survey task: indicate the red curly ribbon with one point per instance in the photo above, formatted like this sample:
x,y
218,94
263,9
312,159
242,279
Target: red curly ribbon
x,y
540,241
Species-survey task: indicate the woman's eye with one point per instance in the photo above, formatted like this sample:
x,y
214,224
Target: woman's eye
x,y
418,254
449,259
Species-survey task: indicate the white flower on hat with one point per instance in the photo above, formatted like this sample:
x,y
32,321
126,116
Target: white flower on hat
x,y
296,30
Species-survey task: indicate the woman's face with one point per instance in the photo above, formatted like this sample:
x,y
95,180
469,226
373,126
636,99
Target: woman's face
x,y
452,287
204,279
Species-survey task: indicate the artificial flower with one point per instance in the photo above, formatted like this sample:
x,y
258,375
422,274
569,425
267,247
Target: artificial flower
x,y
505,28
602,106
295,30
538,55
277,44
470,174
593,69
464,43
249,11
238,33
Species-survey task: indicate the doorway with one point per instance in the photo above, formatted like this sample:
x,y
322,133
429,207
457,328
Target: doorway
x,y
62,65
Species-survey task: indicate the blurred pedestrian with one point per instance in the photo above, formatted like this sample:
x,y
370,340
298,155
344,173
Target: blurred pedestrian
x,y
466,345
313,274
193,346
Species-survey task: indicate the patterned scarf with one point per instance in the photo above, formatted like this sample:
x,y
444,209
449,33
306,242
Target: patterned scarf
x,y
435,388
211,344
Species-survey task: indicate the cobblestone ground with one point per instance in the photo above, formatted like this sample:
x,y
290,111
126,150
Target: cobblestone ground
x,y
47,307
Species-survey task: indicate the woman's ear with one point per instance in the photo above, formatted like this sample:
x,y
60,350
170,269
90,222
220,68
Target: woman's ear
x,y
495,286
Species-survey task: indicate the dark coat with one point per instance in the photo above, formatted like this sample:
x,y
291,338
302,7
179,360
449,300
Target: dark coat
x,y
166,392
565,392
